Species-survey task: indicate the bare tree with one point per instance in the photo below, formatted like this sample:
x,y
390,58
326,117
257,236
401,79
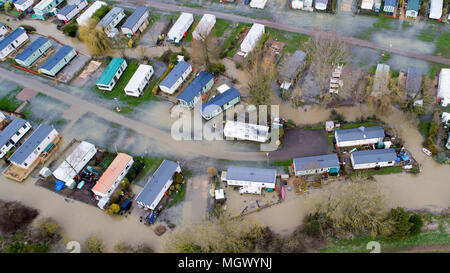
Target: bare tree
x,y
94,37
205,49
261,76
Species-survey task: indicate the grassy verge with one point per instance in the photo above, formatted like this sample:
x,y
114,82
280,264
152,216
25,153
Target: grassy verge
x,y
426,36
179,196
383,23
384,170
424,127
352,125
9,101
230,45
150,165
293,40
443,45
221,26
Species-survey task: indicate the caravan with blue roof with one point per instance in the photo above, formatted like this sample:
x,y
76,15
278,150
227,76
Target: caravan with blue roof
x,y
33,52
13,41
71,10
3,30
369,159
23,5
359,136
58,61
11,135
176,77
112,74
251,180
220,103
199,86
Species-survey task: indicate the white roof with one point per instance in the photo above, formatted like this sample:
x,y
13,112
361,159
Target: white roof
x,y
138,76
445,117
252,38
436,9
367,4
259,4
246,131
204,26
180,25
84,17
75,162
219,194
222,88
444,84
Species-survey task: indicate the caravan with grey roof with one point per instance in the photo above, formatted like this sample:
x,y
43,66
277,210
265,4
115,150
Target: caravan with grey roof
x,y
12,134
251,180
359,136
316,164
370,159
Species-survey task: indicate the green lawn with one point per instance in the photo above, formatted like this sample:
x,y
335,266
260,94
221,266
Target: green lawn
x,y
150,165
230,45
179,196
221,26
293,40
383,23
443,45
384,59
424,127
188,37
9,101
352,125
426,36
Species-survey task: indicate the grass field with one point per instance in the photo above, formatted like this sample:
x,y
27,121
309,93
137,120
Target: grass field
x,y
443,45
9,101
293,41
383,23
230,45
221,26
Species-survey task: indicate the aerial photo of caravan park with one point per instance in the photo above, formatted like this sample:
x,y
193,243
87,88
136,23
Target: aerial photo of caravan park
x,y
204,128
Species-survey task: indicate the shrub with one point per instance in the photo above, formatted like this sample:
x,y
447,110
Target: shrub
x,y
113,209
49,228
70,30
442,158
15,216
417,222
216,68
401,225
94,245
28,28
433,129
178,178
172,188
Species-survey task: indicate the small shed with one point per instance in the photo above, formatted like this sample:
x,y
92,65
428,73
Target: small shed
x,y
199,86
33,52
329,125
58,61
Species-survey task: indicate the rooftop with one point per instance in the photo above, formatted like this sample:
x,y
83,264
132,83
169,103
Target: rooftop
x,y
374,156
110,16
31,48
11,37
360,133
316,162
112,173
175,74
24,151
56,58
195,86
135,17
110,71
219,100
251,174
10,130
413,81
69,7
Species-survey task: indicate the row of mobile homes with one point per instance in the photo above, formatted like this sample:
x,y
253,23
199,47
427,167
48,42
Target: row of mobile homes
x,y
413,82
112,74
23,5
58,61
199,86
369,159
33,52
71,10
139,81
74,163
34,146
367,4
46,8
359,136
436,9
381,81
156,187
412,9
258,4
110,21
390,6
251,180
204,27
220,103
246,131
135,21
176,77
13,41
84,17
180,28
316,165
320,4
111,178
251,39
443,93
14,132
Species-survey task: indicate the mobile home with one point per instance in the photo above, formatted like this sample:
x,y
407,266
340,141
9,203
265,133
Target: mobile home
x,y
176,77
251,180
112,74
180,28
71,10
359,136
84,17
14,132
13,41
139,81
220,103
33,52
316,164
135,21
199,86
45,8
58,61
251,39
369,159
204,27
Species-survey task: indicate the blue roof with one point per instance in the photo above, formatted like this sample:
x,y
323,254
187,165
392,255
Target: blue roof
x,y
20,2
316,162
175,74
251,174
374,156
190,92
360,133
32,48
156,183
57,57
10,130
219,100
31,144
11,37
110,16
135,17
390,3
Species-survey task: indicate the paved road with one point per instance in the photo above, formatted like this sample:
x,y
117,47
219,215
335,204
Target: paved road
x,y
296,29
78,106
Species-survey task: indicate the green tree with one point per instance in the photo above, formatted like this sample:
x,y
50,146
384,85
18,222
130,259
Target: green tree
x,y
113,209
401,225
49,228
417,222
7,6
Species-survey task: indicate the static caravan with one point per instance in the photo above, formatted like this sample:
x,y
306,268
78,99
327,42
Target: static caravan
x,y
251,39
246,131
33,52
220,103
359,136
23,5
71,10
251,180
14,132
13,41
34,146
443,93
111,178
204,27
157,185
84,17
135,21
3,30
412,9
139,81
258,4
316,164
296,4
367,4
75,162
110,20
176,77
45,8
390,6
320,4
58,61
369,159
436,9
180,28
112,74
199,86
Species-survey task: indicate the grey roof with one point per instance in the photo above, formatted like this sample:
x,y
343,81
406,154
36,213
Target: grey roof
x,y
11,37
292,64
20,2
156,183
69,7
32,48
175,74
56,58
219,100
10,130
414,81
316,162
251,174
374,156
190,92
135,17
360,133
110,16
31,144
